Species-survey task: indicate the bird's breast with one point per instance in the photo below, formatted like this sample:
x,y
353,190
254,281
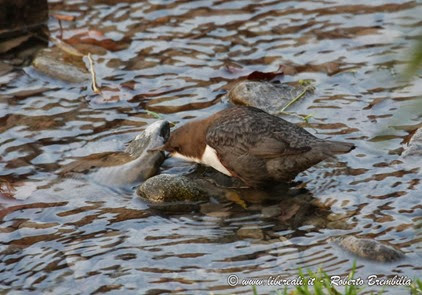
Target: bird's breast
x,y
210,158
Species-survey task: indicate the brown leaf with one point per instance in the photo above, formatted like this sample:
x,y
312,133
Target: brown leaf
x,y
265,76
63,17
235,197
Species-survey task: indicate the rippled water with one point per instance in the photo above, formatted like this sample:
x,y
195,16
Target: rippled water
x,y
67,235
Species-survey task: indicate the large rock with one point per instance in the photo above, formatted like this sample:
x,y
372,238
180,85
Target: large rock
x,y
267,96
136,164
57,64
369,249
174,191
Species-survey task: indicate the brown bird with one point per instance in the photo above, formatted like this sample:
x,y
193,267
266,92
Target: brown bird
x,y
252,145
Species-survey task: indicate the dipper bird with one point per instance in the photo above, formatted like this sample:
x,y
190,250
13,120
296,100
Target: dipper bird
x,y
252,145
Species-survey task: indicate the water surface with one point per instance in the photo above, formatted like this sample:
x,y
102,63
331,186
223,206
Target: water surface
x,y
69,235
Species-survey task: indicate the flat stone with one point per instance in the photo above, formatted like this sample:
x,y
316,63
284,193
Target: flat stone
x,y
57,64
369,249
267,96
271,211
248,232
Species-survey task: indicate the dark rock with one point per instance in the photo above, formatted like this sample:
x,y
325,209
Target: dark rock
x,y
267,96
164,191
248,232
21,15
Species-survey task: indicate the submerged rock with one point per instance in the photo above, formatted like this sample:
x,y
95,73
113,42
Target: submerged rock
x,y
57,64
369,249
248,232
164,191
267,96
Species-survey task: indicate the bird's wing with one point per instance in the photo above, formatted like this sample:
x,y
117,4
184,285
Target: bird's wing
x,y
242,141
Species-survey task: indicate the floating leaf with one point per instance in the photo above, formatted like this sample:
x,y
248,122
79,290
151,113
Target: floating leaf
x,y
235,197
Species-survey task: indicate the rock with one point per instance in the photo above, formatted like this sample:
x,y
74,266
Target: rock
x,y
338,224
119,169
248,232
143,164
315,221
266,96
215,177
271,211
414,147
215,210
21,15
173,192
57,64
369,249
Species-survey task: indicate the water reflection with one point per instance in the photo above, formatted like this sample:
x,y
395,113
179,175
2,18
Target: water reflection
x,y
64,234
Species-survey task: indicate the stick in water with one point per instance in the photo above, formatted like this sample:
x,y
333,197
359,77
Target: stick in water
x,y
93,75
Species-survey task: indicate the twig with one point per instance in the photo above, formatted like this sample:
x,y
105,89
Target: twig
x,y
93,75
296,98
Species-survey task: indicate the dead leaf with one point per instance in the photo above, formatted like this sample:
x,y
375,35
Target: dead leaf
x,y
265,76
63,17
235,197
96,38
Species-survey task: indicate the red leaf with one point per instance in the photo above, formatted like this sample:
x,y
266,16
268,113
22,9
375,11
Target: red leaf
x,y
265,76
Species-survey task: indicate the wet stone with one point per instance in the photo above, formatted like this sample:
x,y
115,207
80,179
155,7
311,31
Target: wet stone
x,y
172,190
119,169
271,211
369,249
57,64
248,232
144,163
267,96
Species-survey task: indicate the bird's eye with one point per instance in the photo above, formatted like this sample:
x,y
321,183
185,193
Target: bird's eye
x,y
177,149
